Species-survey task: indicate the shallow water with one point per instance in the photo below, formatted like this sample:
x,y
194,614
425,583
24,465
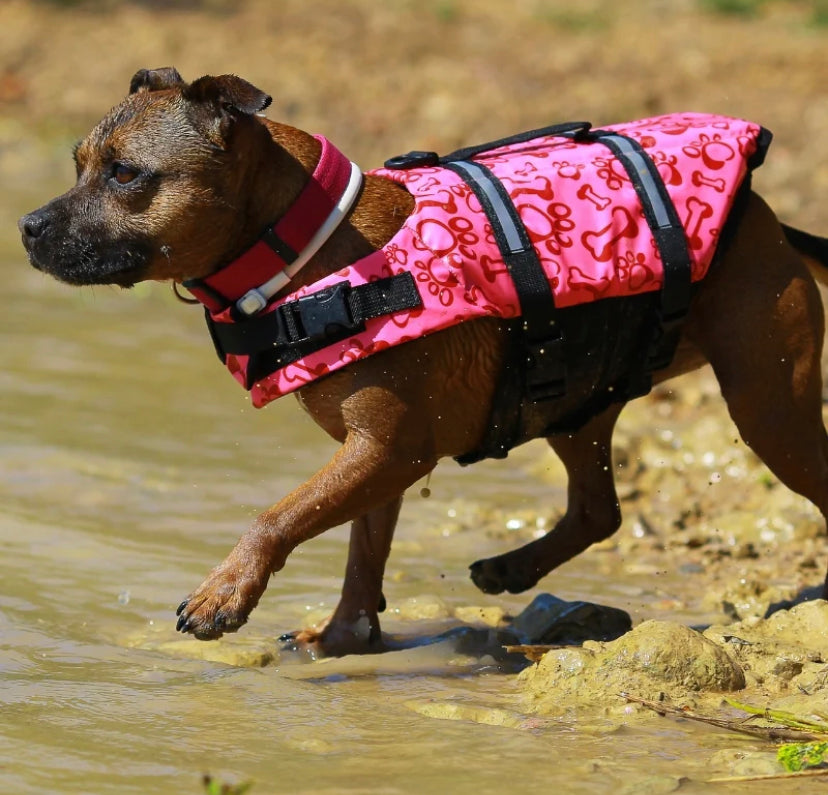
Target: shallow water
x,y
129,464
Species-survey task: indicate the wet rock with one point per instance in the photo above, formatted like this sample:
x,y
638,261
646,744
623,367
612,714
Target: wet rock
x,y
804,626
454,710
655,657
239,651
730,762
784,652
311,745
744,598
654,785
488,616
756,764
806,623
551,620
235,654
786,669
422,608
803,705
676,654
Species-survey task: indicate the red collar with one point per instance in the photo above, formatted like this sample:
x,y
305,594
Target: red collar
x,y
283,243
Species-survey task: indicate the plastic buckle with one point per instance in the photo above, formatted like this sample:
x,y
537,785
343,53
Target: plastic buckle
x,y
326,314
414,159
584,133
251,302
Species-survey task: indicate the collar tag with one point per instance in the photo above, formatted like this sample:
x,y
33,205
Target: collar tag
x,y
251,302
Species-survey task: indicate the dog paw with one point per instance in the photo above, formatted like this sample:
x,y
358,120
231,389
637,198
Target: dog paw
x,y
496,575
336,639
222,603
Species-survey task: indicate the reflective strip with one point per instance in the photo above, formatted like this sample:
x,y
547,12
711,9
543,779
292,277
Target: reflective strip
x,y
512,234
543,348
641,165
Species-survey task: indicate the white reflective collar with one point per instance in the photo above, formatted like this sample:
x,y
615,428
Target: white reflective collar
x,y
255,299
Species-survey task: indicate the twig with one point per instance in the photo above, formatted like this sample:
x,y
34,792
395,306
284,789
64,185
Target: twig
x,y
780,716
788,733
770,776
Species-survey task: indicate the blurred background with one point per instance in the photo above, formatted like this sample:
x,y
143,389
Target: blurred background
x,y
378,78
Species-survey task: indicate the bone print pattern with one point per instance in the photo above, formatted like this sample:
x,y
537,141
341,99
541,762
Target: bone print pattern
x,y
580,210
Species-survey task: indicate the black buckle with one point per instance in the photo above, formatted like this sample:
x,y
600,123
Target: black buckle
x,y
326,315
546,369
414,159
583,134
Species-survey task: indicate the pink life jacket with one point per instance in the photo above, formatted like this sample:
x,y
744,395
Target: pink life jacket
x,y
600,209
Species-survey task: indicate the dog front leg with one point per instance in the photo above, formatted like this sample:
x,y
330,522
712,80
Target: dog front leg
x,y
363,474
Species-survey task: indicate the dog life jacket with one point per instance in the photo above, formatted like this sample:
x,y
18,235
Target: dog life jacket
x,y
534,227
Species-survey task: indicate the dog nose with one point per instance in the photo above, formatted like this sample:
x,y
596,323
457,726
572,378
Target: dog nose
x,y
33,225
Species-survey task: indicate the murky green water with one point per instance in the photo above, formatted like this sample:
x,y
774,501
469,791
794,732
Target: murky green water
x,y
129,464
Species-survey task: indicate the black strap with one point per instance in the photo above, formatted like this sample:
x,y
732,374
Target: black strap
x,y
571,129
545,371
671,240
316,320
661,215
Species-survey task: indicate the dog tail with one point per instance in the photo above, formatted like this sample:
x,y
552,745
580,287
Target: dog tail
x,y
814,251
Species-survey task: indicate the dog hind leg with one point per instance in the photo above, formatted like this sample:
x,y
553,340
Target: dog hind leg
x,y
592,512
765,349
353,628
778,412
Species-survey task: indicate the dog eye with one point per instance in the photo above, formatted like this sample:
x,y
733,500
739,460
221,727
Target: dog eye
x,y
123,175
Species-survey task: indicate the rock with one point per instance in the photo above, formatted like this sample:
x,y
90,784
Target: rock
x,y
454,710
675,654
805,623
757,764
551,620
656,657
784,652
422,608
488,616
746,597
237,655
730,762
239,651
653,785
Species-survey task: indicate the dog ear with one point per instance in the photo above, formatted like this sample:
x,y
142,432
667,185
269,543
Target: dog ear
x,y
155,80
220,101
227,92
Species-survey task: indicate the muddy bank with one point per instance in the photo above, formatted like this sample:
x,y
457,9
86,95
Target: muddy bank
x,y
779,662
774,664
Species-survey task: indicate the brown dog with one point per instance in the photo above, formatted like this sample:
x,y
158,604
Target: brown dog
x,y
180,178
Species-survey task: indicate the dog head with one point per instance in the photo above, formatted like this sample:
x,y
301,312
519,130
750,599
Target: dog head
x,y
158,188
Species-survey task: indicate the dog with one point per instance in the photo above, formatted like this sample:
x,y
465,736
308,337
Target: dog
x,y
181,178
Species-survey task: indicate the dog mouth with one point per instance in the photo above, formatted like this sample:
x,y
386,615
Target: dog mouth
x,y
79,263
